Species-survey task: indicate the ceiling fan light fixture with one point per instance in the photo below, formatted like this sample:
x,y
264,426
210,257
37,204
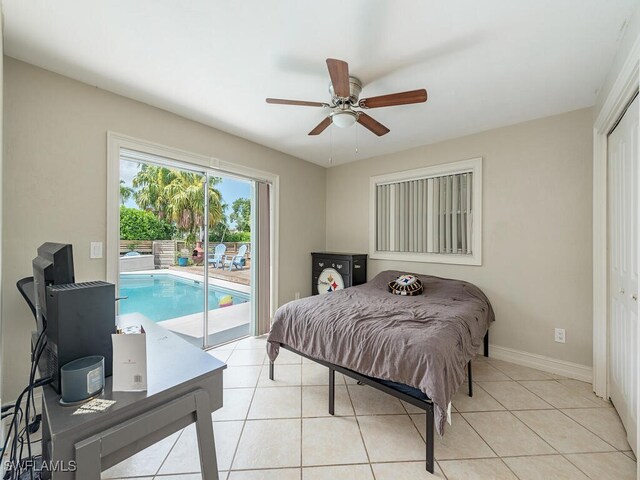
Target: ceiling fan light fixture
x,y
344,118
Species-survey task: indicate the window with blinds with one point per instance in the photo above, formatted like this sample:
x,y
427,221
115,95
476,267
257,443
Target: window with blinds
x,y
431,214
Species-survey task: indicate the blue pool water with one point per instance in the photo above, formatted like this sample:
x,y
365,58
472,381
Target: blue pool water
x,y
164,296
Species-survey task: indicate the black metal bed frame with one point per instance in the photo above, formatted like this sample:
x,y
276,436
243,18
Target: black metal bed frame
x,y
425,404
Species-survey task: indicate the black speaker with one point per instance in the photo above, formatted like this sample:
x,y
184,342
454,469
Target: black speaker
x,y
80,320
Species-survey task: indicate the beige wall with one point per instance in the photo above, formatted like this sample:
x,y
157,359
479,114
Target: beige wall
x,y
55,186
536,227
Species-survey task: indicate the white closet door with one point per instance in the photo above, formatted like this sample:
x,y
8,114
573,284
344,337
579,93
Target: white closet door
x,y
623,269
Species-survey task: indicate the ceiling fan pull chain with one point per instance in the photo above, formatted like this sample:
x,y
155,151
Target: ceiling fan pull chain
x,y
356,141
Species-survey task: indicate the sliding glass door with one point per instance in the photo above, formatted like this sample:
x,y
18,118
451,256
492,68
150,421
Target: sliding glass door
x,y
229,249
185,248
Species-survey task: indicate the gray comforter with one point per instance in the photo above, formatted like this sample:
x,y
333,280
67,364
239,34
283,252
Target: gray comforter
x,y
423,341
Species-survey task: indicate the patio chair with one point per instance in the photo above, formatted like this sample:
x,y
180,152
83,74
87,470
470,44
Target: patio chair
x,y
217,257
237,259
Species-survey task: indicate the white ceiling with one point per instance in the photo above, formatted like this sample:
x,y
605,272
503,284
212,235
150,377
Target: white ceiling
x,y
484,63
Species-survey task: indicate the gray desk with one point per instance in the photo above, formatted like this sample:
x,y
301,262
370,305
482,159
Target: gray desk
x,y
184,386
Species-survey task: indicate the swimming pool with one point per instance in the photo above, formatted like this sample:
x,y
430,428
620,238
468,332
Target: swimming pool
x,y
163,296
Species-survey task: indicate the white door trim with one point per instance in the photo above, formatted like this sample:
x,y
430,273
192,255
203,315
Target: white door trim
x,y
116,141
621,93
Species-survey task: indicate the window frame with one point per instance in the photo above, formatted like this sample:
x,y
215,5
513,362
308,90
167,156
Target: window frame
x,y
473,165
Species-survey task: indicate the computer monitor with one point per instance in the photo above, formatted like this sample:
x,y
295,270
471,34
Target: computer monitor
x,y
52,266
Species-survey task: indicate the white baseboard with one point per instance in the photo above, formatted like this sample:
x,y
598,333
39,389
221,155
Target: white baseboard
x,y
540,362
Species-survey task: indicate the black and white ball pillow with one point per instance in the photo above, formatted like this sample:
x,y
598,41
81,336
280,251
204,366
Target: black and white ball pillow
x,y
407,285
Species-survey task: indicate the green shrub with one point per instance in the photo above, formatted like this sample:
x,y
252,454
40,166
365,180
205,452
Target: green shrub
x,y
142,225
243,237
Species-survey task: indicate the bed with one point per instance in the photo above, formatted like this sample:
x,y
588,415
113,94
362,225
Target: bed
x,y
416,348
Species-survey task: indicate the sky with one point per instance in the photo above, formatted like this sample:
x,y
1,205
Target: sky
x,y
230,188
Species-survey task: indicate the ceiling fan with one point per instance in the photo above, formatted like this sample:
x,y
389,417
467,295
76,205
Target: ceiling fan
x,y
345,91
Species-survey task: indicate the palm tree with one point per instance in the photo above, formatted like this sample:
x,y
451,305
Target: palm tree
x,y
151,182
125,192
177,196
185,204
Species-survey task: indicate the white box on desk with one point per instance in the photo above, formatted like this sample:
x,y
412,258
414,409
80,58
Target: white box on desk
x,y
130,360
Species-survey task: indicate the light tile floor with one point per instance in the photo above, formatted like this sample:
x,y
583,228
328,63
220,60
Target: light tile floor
x,y
520,424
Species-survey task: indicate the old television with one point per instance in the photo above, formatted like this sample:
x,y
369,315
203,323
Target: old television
x,y
52,266
78,318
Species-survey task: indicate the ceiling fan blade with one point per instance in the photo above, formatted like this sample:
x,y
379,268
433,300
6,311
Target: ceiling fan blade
x,y
403,98
299,103
339,73
321,127
369,123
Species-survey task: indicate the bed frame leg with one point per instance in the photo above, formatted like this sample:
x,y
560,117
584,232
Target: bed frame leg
x,y
430,426
332,390
270,370
486,344
470,379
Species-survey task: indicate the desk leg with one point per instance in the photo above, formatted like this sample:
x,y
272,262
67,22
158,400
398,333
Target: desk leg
x,y
88,461
62,455
45,443
206,442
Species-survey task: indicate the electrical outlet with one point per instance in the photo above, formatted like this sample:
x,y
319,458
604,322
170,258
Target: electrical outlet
x,y
297,296
561,335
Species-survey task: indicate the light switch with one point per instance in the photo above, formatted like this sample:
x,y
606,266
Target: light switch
x,y
96,249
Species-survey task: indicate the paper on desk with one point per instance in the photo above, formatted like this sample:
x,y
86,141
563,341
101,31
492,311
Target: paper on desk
x,y
96,405
130,360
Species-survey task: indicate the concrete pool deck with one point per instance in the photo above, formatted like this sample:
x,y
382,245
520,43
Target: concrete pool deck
x,y
220,319
234,275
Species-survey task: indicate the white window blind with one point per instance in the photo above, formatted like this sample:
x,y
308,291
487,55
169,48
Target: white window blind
x,y
429,214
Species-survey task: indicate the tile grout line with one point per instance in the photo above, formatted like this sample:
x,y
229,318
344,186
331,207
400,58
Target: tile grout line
x,y
527,426
491,396
169,453
553,408
405,412
518,419
589,430
244,423
366,450
594,405
425,440
579,469
487,443
560,410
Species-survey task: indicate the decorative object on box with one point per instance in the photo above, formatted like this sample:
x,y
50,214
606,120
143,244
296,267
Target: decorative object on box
x,y
82,380
331,271
130,359
407,285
